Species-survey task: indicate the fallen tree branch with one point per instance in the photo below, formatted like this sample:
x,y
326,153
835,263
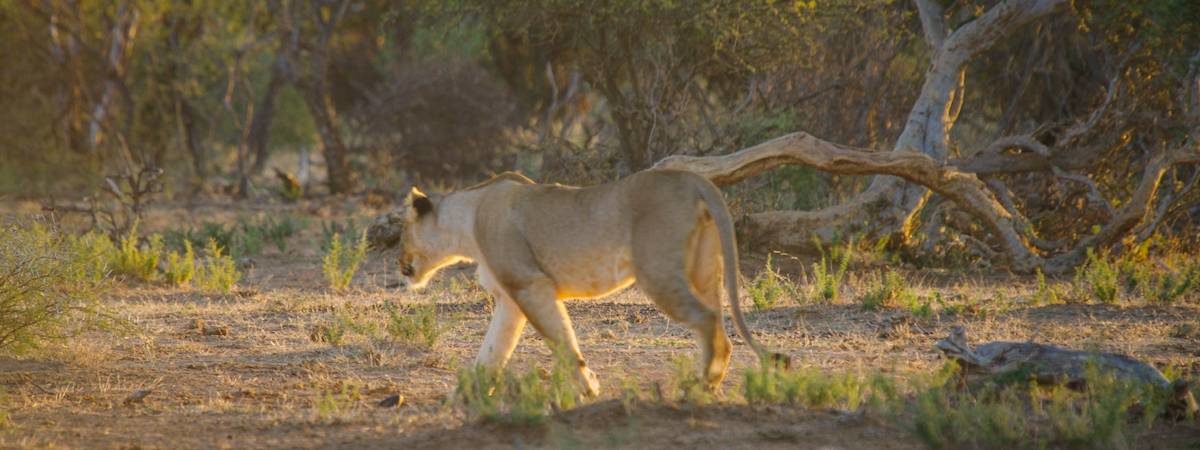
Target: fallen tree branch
x,y
1048,364
966,190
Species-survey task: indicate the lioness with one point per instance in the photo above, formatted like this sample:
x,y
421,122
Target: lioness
x,y
536,244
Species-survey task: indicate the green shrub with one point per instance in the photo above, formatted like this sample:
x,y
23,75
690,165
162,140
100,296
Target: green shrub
x,y
414,324
342,261
330,404
278,232
944,418
768,287
889,291
47,286
1172,281
218,273
331,332
1100,277
333,230
686,381
248,239
1044,295
828,279
244,238
180,269
95,251
137,261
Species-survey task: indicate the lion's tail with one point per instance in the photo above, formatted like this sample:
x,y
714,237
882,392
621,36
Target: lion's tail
x,y
720,214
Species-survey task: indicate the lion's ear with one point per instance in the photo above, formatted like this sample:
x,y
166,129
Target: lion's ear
x,y
419,202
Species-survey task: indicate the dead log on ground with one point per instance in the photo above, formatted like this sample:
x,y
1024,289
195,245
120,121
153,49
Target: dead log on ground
x,y
1052,365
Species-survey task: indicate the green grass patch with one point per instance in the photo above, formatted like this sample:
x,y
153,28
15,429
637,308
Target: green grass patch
x,y
813,388
891,290
517,398
416,324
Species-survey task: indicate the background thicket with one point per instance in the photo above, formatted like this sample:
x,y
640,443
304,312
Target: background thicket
x,y
1056,109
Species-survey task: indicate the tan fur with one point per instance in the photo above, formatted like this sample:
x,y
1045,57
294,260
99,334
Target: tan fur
x,y
537,244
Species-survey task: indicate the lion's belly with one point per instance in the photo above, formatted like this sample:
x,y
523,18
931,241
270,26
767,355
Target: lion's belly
x,y
591,277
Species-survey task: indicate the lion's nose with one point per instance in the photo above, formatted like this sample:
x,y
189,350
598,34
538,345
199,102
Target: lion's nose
x,y
407,270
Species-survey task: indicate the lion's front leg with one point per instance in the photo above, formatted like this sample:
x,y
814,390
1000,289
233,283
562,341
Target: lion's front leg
x,y
549,317
503,333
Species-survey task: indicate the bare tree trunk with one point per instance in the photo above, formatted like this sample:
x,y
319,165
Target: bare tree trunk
x,y
312,82
264,113
320,106
187,124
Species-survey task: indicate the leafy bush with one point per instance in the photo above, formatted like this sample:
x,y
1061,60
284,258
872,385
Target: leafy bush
x,y
414,324
342,261
827,279
333,230
685,379
1099,276
180,269
219,272
278,232
888,291
47,286
96,251
244,238
248,239
1044,295
768,287
330,404
137,261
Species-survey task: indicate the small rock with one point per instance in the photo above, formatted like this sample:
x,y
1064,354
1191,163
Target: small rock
x,y
391,401
137,396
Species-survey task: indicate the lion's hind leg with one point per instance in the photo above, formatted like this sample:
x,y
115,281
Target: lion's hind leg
x,y
684,279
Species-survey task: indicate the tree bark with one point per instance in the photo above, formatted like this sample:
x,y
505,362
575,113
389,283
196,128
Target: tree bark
x,y
264,114
320,106
313,84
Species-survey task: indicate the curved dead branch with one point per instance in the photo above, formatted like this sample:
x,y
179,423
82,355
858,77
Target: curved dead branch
x,y
964,189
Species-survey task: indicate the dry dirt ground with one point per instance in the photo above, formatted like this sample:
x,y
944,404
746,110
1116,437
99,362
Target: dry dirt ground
x,y
241,371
